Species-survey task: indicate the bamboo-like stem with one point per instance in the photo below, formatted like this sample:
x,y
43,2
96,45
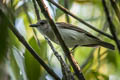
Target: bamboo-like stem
x,y
116,9
36,10
80,20
29,20
111,25
66,2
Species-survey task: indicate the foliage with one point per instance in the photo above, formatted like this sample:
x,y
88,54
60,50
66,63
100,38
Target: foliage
x,y
17,64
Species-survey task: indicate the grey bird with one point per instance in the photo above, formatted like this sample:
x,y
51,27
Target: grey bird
x,y
71,34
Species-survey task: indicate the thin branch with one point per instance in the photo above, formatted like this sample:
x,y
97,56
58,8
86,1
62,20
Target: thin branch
x,y
57,34
102,54
98,58
36,10
104,28
65,69
111,25
88,59
66,2
80,20
116,9
29,20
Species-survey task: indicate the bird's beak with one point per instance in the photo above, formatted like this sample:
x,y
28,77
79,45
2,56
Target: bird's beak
x,y
34,25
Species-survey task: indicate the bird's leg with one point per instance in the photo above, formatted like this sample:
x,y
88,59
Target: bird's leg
x,y
74,48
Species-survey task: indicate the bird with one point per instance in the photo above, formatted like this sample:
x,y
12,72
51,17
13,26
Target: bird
x,y
71,34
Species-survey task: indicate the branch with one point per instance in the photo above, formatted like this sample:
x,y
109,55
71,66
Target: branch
x,y
111,25
36,10
57,34
104,28
116,9
80,20
98,58
65,69
88,59
66,2
29,20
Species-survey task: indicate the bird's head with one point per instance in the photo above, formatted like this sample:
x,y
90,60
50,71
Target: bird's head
x,y
42,24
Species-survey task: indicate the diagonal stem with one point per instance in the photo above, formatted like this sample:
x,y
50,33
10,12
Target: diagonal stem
x,y
116,9
111,25
80,20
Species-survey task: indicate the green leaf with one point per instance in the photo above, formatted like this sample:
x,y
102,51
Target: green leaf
x,y
33,69
14,66
20,62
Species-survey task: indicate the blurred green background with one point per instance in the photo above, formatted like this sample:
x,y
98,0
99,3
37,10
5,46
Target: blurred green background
x,y
16,63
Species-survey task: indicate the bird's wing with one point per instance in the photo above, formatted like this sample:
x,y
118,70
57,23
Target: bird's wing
x,y
72,27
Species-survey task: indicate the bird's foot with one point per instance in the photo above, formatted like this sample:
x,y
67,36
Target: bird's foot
x,y
72,50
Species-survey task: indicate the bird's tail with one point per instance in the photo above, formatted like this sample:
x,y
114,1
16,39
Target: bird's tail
x,y
107,45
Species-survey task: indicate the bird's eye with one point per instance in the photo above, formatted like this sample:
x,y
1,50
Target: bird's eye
x,y
42,23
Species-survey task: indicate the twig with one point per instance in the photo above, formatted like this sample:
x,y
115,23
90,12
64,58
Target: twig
x,y
104,28
98,58
102,54
88,59
111,25
29,20
36,10
57,34
116,9
66,2
65,69
80,20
